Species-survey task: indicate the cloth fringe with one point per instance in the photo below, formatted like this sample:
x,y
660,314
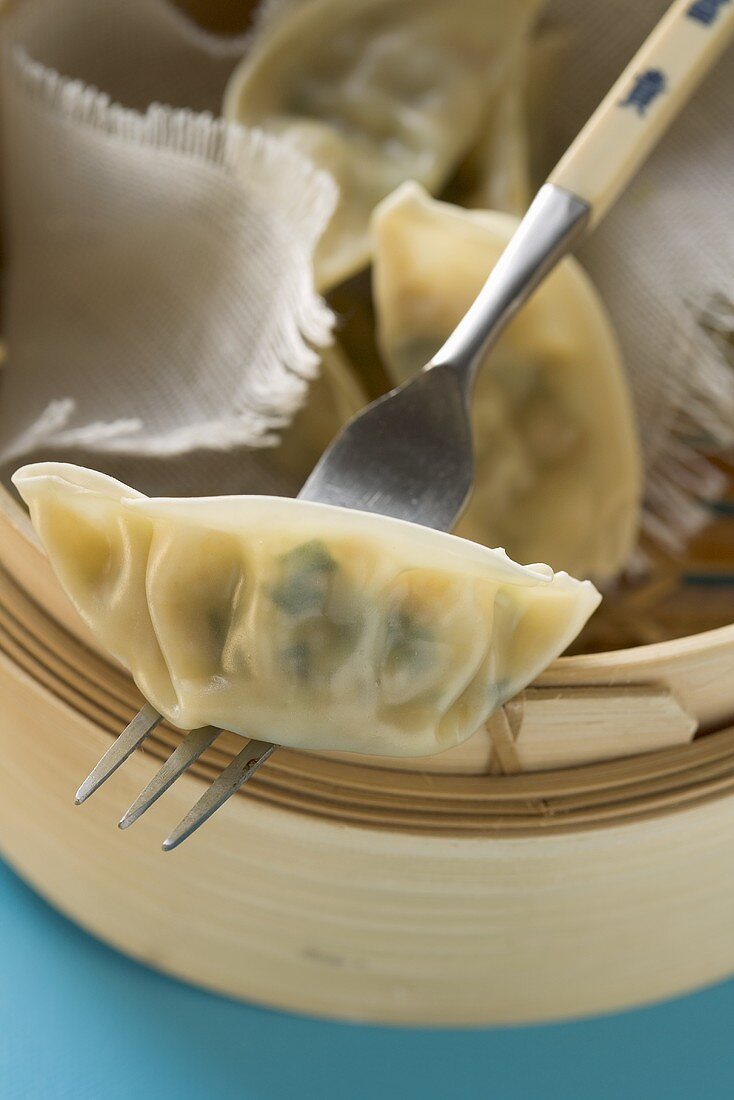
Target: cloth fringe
x,y
276,175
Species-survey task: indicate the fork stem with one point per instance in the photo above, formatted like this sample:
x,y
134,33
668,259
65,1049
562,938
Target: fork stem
x,y
555,220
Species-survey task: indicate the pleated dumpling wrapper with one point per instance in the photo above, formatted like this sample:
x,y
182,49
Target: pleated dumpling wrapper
x,y
557,464
300,623
376,92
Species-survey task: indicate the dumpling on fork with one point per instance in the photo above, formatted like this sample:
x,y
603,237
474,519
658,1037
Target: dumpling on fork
x,y
557,463
300,623
376,92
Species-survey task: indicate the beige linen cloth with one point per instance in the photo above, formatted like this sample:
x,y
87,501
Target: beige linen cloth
x,y
159,295
159,311
663,259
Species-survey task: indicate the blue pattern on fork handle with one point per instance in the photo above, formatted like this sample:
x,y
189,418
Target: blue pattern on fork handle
x,y
706,11
647,87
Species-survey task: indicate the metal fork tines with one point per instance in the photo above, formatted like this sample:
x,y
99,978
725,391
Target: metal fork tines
x,y
237,772
244,765
142,725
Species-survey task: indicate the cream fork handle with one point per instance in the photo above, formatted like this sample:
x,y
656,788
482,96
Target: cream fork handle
x,y
640,106
614,142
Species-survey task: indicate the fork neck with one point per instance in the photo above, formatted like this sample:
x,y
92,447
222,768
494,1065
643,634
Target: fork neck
x,y
555,220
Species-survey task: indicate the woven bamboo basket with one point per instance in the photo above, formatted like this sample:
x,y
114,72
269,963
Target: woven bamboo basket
x,y
491,883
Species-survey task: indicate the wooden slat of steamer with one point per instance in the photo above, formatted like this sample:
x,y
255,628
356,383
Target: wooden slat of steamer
x,y
563,727
698,669
560,727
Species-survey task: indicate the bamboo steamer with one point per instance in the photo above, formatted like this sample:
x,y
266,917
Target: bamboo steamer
x,y
522,876
443,891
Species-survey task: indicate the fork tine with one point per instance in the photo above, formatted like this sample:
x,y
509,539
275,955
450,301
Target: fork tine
x,y
237,772
142,724
182,757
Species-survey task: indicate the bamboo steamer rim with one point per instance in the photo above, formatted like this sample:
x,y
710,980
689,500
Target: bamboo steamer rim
x,y
42,637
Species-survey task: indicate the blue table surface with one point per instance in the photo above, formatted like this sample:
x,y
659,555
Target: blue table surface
x,y
79,1021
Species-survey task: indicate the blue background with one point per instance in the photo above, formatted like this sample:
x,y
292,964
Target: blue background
x,y
79,1021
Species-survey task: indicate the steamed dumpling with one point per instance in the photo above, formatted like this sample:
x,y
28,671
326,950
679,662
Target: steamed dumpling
x,y
301,623
496,173
510,159
376,92
558,474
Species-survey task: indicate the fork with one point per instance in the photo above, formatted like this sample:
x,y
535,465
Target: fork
x,y
409,453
